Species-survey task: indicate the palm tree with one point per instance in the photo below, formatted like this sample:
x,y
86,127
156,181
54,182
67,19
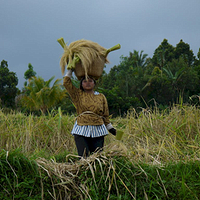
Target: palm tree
x,y
138,59
174,78
41,96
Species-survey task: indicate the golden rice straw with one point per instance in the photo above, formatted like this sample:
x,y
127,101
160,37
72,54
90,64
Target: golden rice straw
x,y
84,51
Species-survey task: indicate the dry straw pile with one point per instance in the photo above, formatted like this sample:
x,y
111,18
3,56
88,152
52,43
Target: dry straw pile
x,y
68,172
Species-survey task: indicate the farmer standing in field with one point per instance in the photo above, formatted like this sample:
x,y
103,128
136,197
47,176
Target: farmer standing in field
x,y
87,59
92,122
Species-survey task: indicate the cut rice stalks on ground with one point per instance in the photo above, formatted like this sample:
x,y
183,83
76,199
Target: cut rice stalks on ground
x,y
68,173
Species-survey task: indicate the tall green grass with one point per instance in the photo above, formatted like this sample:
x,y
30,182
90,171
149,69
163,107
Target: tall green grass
x,y
21,178
157,158
150,136
44,135
101,176
159,137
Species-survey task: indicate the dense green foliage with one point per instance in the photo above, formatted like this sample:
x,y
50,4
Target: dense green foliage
x,y
173,73
8,83
21,178
139,180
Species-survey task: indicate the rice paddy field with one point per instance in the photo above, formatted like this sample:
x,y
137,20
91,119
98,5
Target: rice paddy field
x,y
158,157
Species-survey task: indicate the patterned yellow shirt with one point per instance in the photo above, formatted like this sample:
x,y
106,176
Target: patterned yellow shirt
x,y
91,109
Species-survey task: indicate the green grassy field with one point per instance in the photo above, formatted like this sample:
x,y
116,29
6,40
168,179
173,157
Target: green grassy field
x,y
157,158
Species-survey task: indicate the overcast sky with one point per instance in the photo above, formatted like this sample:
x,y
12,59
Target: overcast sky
x,y
29,29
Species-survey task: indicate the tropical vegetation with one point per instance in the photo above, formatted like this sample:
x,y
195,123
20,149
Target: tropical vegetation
x,y
154,101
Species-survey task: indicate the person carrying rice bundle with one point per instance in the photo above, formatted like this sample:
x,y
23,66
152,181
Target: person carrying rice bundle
x,y
92,123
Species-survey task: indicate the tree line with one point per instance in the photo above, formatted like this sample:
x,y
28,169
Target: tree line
x,y
171,76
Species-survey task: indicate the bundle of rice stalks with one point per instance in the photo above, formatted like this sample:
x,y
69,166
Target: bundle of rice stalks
x,y
84,57
71,176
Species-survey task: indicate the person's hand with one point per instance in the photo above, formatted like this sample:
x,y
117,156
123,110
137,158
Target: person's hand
x,y
113,131
69,73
